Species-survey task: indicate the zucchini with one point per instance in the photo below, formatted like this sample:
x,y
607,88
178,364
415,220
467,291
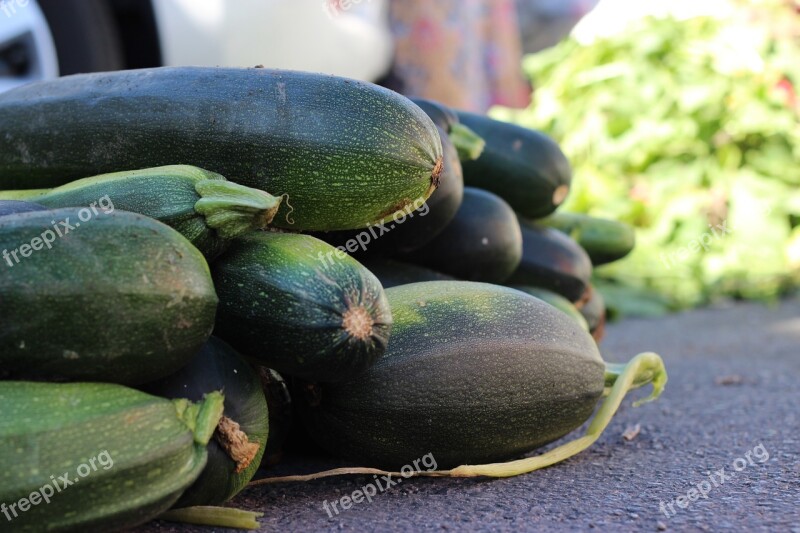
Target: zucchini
x,y
603,239
300,306
346,153
551,260
392,273
524,167
410,229
235,452
499,373
442,115
118,297
482,243
279,405
557,301
467,143
594,311
95,456
203,206
12,207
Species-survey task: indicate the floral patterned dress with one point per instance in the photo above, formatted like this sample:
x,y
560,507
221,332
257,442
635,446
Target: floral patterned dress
x,y
464,53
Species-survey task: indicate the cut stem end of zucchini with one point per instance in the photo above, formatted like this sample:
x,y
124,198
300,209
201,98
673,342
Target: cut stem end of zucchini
x,y
560,194
236,443
358,323
435,176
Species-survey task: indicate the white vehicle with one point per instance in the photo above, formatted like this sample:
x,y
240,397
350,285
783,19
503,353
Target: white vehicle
x,y
41,39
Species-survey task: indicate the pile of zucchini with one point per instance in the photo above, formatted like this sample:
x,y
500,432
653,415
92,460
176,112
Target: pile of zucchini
x,y
203,268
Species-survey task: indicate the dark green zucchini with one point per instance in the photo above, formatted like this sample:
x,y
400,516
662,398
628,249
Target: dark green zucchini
x,y
235,452
12,207
443,116
116,297
347,153
466,142
594,311
551,260
96,457
482,243
603,239
279,403
201,205
557,301
524,167
392,273
300,306
474,373
410,229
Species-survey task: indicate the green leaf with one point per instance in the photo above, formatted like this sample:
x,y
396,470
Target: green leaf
x,y
673,126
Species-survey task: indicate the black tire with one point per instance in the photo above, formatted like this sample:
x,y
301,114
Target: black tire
x,y
85,35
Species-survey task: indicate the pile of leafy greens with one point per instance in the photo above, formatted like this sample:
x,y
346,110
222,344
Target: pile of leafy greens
x,y
688,131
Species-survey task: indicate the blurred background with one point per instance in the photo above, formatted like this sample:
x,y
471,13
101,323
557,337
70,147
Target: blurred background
x,y
679,118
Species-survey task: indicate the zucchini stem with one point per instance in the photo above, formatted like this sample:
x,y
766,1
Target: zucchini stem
x,y
202,417
208,417
232,209
285,198
645,376
468,144
213,517
613,371
645,368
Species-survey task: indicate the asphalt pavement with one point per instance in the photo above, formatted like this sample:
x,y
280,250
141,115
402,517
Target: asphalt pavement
x,y
719,451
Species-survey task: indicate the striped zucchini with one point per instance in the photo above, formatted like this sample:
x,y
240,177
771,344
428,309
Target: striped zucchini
x,y
410,230
552,260
482,243
240,439
12,207
526,168
347,153
605,240
201,205
96,457
300,306
114,297
474,373
392,273
279,404
467,143
557,301
594,312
